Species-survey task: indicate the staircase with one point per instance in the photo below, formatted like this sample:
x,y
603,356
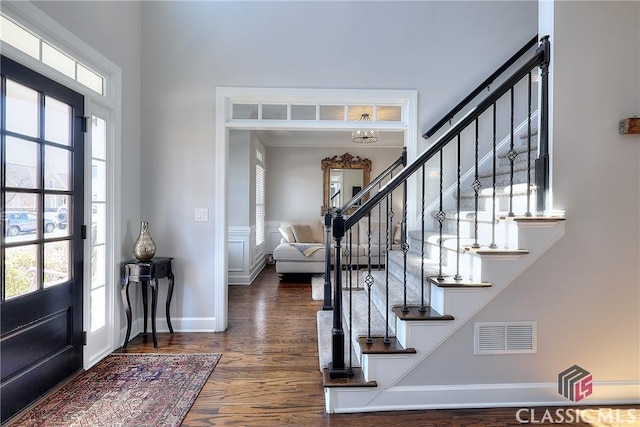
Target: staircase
x,y
375,344
413,335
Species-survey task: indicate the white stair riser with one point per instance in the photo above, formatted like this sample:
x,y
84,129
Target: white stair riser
x,y
458,302
424,336
384,368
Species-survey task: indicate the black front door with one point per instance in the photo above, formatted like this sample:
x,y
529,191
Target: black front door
x,y
41,244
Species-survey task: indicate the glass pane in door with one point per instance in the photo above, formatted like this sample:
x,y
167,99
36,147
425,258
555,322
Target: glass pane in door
x,y
22,160
62,217
22,109
57,168
20,221
20,267
57,257
57,123
98,288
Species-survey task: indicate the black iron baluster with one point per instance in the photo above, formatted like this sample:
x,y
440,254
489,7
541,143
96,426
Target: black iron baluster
x,y
358,255
476,188
423,308
368,280
391,213
379,230
389,200
528,213
458,276
511,155
493,219
348,257
441,216
350,312
405,245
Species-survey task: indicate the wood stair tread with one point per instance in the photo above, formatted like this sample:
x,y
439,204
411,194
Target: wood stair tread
x,y
414,313
525,219
498,251
378,346
355,380
450,282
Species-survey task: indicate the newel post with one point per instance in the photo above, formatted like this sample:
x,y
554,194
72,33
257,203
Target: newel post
x,y
327,261
336,366
542,162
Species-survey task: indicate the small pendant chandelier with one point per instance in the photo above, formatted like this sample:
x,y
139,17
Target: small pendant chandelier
x,y
364,136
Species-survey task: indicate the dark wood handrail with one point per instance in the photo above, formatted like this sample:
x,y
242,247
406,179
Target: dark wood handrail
x,y
538,59
402,160
455,110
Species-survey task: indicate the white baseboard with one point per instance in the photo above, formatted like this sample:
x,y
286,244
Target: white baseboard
x,y
187,324
243,279
180,324
519,395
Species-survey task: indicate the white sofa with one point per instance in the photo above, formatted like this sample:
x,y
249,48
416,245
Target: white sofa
x,y
302,248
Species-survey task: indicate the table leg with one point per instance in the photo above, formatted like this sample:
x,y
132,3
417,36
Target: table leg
x,y
127,307
154,306
145,294
169,295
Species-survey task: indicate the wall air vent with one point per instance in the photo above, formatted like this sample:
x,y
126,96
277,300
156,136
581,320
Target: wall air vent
x,y
505,338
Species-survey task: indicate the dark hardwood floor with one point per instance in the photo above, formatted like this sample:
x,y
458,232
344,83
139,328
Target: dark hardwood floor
x,y
269,376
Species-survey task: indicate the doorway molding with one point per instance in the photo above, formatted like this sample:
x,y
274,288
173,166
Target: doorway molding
x,y
227,96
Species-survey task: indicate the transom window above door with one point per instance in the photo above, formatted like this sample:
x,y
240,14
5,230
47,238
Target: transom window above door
x,y
317,112
37,47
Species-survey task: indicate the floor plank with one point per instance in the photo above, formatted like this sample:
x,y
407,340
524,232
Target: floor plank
x,y
269,376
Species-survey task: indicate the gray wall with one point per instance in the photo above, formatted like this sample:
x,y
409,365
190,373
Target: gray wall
x,y
240,186
294,178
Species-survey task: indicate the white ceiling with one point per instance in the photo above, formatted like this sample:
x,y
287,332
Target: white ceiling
x,y
325,138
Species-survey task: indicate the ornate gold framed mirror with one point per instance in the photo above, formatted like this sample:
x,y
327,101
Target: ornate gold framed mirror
x,y
343,177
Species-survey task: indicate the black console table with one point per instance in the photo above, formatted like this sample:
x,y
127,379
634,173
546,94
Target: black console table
x,y
147,273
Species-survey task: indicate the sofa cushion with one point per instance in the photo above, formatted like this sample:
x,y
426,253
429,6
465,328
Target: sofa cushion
x,y
317,228
303,233
289,252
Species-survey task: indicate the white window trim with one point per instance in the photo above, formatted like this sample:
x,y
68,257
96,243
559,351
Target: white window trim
x,y
263,230
33,19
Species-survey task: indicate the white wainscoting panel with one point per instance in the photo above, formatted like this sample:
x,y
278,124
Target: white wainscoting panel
x,y
272,234
245,259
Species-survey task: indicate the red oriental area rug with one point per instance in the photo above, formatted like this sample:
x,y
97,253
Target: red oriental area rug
x,y
126,390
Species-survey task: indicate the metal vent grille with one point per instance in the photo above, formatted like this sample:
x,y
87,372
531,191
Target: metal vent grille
x,y
505,338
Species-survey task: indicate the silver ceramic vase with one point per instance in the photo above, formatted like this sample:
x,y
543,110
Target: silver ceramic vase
x,y
144,248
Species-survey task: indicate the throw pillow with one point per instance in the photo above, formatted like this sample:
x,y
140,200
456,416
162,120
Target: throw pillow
x,y
303,233
287,233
